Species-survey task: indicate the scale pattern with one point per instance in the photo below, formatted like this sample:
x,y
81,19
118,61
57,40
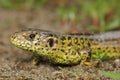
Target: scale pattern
x,y
68,49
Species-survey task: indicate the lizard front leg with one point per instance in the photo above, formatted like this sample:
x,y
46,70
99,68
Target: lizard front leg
x,y
85,54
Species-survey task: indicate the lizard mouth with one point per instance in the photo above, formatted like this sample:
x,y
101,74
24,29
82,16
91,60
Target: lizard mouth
x,y
19,42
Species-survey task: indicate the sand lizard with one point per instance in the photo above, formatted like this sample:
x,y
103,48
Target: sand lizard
x,y
68,49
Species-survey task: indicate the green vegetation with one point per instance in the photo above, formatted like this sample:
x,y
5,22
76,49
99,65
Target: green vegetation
x,y
72,73
103,15
97,15
105,73
22,4
67,13
100,56
110,74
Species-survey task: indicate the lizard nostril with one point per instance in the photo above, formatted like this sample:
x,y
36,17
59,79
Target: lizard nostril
x,y
13,37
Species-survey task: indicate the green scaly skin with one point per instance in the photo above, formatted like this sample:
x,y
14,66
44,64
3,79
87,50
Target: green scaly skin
x,y
68,49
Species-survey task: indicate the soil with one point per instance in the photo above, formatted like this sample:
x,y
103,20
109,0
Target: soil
x,y
15,64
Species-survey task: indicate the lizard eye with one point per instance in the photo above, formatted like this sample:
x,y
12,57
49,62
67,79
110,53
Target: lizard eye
x,y
51,42
32,36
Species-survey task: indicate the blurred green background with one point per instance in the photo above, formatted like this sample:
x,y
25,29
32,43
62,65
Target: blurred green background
x,y
95,15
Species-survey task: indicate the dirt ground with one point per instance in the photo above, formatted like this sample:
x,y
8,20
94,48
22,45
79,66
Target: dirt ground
x,y
15,64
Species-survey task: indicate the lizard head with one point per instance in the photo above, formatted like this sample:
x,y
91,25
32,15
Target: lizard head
x,y
34,39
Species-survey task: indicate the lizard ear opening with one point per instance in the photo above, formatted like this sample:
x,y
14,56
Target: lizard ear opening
x,y
32,36
51,42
